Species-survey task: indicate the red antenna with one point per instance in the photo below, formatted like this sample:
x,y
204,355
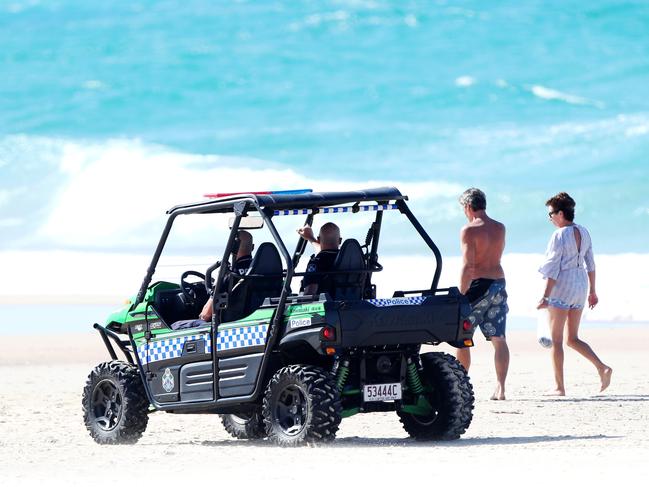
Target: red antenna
x,y
290,191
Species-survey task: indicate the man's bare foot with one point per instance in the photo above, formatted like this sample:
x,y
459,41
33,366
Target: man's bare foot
x,y
605,377
499,394
556,392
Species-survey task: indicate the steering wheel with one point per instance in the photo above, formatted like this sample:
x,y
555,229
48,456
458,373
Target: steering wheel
x,y
188,288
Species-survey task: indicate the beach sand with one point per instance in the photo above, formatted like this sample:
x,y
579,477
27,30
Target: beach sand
x,y
530,438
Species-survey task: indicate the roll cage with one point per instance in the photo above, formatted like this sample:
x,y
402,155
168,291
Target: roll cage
x,y
309,204
270,206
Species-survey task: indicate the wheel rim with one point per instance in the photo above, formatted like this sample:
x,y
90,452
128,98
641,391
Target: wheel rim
x,y
291,410
107,404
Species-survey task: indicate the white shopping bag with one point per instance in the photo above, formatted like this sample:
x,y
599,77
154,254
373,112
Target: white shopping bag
x,y
543,328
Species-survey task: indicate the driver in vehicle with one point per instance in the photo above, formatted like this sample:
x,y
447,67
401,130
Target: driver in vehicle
x,y
327,245
241,264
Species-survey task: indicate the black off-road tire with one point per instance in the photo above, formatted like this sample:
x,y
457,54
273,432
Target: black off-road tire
x,y
115,406
301,405
245,426
451,396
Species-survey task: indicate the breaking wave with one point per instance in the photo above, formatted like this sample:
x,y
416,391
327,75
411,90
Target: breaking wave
x,y
550,94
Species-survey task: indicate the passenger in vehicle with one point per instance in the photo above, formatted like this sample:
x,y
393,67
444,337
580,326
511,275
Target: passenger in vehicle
x,y
327,245
241,265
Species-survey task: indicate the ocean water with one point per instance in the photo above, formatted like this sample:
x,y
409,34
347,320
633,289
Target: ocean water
x,y
523,99
110,113
55,319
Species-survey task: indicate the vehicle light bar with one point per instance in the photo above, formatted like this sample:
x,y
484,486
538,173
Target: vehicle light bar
x,y
288,191
335,209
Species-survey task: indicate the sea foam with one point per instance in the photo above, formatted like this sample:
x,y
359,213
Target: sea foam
x,y
621,289
550,94
109,278
112,194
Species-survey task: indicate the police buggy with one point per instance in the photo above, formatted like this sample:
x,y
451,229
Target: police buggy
x,y
279,364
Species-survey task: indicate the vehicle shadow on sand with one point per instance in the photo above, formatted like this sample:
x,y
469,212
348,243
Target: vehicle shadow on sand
x,y
356,441
506,440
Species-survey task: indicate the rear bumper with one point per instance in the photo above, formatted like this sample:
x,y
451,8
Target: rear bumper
x,y
400,321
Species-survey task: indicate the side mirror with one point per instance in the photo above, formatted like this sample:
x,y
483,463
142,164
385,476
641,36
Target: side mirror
x,y
248,223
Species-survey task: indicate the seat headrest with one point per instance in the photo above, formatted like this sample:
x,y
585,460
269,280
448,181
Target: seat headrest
x,y
266,260
350,256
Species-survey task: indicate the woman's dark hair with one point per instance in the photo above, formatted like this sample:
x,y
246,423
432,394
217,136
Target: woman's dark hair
x,y
563,202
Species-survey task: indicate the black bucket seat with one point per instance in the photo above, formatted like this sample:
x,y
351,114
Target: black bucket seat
x,y
348,285
249,294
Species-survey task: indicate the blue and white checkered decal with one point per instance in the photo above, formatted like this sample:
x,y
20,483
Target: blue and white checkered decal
x,y
336,209
169,348
228,339
241,337
413,301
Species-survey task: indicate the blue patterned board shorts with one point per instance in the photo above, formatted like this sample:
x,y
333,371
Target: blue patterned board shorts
x,y
490,311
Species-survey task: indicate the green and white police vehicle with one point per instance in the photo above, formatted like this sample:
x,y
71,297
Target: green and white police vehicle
x,y
278,364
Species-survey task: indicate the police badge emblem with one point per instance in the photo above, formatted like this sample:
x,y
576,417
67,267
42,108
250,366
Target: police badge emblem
x,y
168,380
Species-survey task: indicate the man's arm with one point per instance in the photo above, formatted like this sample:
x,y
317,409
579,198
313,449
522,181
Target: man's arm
x,y
310,282
468,245
206,312
311,289
306,232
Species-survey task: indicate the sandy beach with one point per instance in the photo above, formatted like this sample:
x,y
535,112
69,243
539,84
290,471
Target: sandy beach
x,y
586,436
122,122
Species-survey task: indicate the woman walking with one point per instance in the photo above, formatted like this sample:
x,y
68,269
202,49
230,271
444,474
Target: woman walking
x,y
569,268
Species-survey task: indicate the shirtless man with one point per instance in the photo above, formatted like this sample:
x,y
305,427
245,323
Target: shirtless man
x,y
483,281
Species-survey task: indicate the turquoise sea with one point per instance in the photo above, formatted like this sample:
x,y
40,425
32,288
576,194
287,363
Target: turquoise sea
x,y
523,99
